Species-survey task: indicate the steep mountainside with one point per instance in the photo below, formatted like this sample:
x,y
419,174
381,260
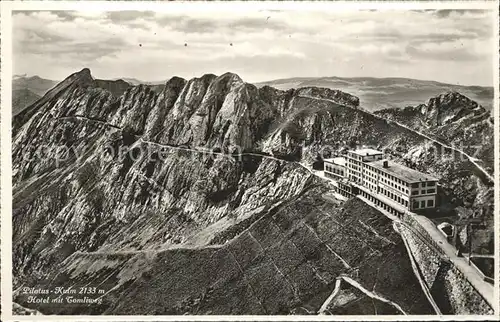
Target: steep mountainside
x,y
198,190
382,93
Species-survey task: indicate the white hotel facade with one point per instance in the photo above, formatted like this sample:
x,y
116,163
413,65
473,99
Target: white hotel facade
x,y
389,184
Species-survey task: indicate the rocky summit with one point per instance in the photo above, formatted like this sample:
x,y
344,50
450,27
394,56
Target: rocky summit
x,y
198,197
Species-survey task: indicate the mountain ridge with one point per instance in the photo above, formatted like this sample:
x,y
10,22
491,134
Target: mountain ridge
x,y
127,221
397,92
393,92
369,78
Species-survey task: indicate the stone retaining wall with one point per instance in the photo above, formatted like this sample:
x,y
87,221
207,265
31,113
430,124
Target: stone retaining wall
x,y
452,292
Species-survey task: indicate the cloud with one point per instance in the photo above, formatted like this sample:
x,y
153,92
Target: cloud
x,y
457,50
125,16
460,12
188,24
260,44
261,23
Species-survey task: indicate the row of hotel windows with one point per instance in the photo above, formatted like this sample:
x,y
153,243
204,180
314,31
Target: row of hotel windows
x,y
371,180
372,174
430,203
404,190
355,167
369,176
398,199
334,170
394,197
395,182
387,177
423,192
394,185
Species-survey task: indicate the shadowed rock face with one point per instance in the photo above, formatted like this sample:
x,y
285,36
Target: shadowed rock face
x,y
449,107
119,214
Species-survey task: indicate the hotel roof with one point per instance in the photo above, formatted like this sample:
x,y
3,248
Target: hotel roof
x,y
402,172
337,160
365,152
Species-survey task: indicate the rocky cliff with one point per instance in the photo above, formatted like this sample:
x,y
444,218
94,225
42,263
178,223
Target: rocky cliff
x,y
125,185
454,119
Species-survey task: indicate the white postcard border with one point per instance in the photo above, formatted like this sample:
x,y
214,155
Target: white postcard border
x,y
6,144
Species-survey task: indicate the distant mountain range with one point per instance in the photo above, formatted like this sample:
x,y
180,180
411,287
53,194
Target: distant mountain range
x,y
34,84
27,90
374,93
382,93
135,81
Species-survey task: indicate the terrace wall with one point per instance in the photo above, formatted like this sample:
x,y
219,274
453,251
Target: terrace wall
x,y
451,290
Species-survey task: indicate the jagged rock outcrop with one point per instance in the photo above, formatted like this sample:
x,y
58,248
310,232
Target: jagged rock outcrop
x,y
453,119
448,108
114,171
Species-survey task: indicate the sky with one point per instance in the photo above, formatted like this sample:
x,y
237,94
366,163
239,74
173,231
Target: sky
x,y
443,45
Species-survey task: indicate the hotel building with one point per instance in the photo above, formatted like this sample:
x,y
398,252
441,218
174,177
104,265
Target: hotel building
x,y
356,160
391,185
335,168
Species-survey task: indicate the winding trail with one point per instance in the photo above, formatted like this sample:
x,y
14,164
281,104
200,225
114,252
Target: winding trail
x,y
357,285
371,294
330,298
